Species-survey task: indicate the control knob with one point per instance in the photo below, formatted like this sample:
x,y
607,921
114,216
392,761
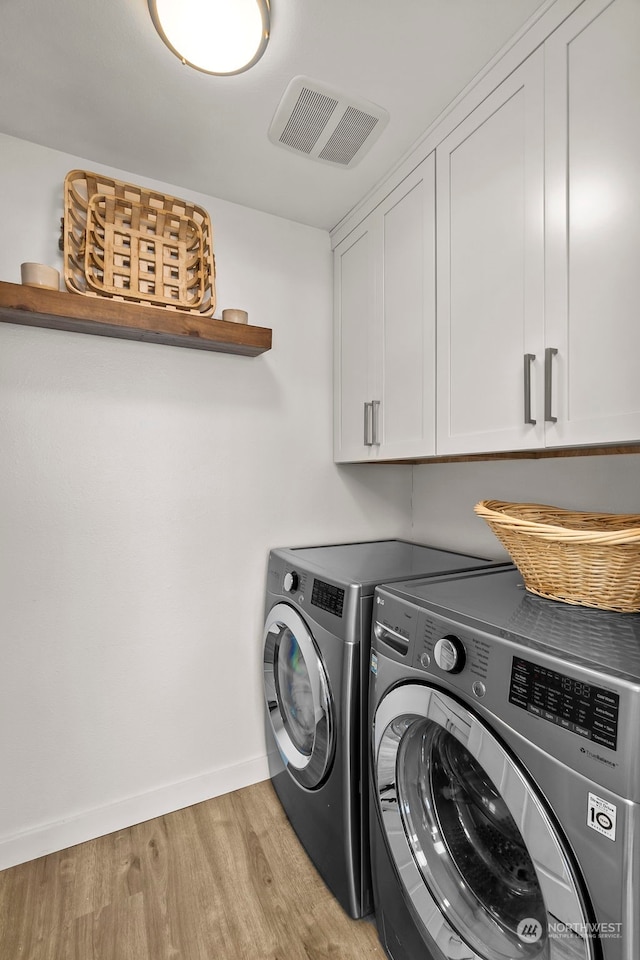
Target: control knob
x,y
449,654
291,581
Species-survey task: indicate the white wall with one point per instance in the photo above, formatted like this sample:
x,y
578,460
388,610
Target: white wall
x,y
444,494
141,487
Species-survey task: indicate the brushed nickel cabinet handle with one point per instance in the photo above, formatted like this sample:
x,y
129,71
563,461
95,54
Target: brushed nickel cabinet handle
x,y
375,421
368,424
528,360
549,354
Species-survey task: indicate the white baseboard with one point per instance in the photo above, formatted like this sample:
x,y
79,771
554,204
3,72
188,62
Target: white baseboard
x,y
116,816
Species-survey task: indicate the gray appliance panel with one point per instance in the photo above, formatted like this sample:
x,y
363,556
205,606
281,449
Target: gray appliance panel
x,y
497,602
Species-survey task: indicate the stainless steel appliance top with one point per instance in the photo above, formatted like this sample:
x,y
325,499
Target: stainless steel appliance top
x,y
496,602
367,564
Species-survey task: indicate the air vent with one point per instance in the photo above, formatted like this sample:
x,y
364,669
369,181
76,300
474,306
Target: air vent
x,y
323,124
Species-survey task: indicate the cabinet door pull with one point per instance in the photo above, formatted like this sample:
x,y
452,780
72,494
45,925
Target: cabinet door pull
x,y
528,360
375,421
368,424
549,353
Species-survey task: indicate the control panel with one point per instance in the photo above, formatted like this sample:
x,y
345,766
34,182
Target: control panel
x,y
590,711
327,597
467,652
428,643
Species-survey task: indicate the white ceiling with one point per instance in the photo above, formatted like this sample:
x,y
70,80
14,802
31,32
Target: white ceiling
x,y
93,78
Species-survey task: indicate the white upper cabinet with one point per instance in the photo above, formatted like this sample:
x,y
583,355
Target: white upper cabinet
x,y
490,202
593,223
385,327
537,189
538,196
354,310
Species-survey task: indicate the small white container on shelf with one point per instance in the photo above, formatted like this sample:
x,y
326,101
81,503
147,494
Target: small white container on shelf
x,y
235,316
39,275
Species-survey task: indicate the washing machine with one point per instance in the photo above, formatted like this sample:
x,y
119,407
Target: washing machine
x,y
505,774
316,645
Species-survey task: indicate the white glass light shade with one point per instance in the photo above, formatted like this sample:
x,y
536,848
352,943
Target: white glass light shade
x,y
216,36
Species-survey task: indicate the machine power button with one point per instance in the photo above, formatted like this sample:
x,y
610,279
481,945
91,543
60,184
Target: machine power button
x,y
291,581
449,654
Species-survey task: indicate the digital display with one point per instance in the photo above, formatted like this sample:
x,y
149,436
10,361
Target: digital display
x,y
589,711
327,597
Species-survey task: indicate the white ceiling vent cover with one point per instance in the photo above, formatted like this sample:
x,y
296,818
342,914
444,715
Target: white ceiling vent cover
x,y
321,123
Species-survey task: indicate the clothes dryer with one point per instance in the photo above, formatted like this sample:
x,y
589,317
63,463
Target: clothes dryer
x,y
316,651
505,774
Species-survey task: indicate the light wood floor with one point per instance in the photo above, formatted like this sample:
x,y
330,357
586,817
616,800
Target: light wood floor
x,y
222,880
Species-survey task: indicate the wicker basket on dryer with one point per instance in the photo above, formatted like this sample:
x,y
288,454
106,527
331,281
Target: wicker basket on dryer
x,y
590,559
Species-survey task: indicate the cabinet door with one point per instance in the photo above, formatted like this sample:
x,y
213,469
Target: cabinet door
x,y
385,327
593,223
490,248
355,308
405,364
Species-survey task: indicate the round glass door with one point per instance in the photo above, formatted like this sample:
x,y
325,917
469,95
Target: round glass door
x,y
297,696
479,857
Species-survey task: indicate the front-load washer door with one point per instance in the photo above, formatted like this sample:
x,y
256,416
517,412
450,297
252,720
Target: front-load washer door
x,y
298,696
478,857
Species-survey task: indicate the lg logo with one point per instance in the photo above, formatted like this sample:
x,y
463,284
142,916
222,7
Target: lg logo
x,y
529,930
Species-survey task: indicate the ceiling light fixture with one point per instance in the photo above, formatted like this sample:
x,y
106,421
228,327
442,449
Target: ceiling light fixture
x,y
221,37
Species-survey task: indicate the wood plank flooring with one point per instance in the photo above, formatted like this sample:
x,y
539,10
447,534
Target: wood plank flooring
x,y
223,880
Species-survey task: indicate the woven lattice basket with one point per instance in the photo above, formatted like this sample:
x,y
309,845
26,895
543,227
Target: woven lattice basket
x,y
135,244
590,559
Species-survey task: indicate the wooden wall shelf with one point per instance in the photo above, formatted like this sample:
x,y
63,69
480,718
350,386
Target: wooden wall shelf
x,y
103,317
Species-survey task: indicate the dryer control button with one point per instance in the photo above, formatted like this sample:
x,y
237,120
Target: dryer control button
x,y
291,581
449,654
425,660
478,689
